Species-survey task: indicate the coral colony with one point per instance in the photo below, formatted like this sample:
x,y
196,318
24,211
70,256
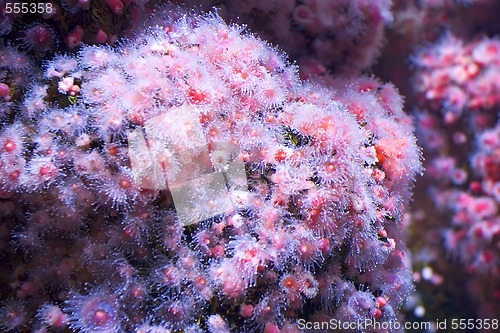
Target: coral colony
x,y
162,170
458,83
321,34
177,116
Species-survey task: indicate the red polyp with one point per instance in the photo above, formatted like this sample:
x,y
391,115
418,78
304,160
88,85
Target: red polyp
x,y
101,318
98,314
196,95
45,171
9,146
115,6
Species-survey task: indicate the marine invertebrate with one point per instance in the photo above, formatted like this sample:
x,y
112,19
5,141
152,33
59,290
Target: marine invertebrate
x,y
457,84
196,155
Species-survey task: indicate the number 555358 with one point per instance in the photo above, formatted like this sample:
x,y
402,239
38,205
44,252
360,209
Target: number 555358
x,y
24,8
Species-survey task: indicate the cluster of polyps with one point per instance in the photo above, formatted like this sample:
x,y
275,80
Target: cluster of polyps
x,y
343,36
459,76
458,84
278,185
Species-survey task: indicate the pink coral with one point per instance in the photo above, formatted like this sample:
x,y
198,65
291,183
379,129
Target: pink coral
x,y
462,77
277,184
341,36
457,83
